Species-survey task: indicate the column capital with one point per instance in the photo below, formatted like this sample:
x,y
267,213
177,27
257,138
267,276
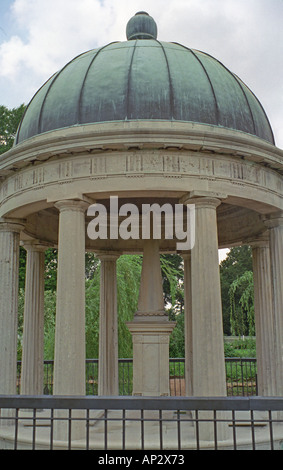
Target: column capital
x,y
203,198
108,255
34,245
11,225
202,201
71,205
273,220
259,242
205,202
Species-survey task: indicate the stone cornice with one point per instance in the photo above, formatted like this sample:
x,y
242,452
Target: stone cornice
x,y
100,137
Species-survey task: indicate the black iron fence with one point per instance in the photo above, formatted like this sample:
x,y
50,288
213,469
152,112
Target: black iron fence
x,y
141,423
241,377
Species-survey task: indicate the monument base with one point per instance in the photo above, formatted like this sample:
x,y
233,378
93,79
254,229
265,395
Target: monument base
x,y
151,356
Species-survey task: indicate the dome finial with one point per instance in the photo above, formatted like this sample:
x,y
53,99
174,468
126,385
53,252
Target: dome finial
x,y
141,26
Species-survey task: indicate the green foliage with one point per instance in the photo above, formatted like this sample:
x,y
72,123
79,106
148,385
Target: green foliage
x,y
245,347
21,303
242,312
49,323
229,350
9,122
240,348
128,280
173,279
177,338
128,283
22,268
237,262
92,314
91,264
50,275
173,276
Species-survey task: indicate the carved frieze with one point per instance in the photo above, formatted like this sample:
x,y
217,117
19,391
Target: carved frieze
x,y
181,165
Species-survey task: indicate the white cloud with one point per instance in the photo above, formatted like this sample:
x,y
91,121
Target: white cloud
x,y
246,35
11,56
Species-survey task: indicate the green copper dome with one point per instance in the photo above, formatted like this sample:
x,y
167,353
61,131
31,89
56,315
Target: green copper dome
x,y
144,79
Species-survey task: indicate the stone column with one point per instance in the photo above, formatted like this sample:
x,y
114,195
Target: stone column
x,y
188,323
9,282
151,330
264,320
108,378
275,225
208,361
209,376
69,362
33,336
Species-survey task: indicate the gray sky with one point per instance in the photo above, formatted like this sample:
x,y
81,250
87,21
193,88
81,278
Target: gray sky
x,y
38,37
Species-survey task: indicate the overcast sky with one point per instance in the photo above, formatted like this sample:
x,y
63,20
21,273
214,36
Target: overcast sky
x,y
38,37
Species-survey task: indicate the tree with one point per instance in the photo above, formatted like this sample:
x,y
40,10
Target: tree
x,y
173,287
237,262
9,122
172,277
242,312
128,282
128,286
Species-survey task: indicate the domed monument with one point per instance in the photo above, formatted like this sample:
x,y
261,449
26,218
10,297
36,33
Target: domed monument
x,y
133,124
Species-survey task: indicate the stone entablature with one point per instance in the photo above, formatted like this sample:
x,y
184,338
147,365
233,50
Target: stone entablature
x,y
141,163
141,134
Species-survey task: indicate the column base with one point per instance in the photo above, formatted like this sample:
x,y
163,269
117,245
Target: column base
x,y
151,356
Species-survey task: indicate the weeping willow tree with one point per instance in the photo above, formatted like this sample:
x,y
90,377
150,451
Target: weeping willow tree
x,y
128,280
128,284
173,286
241,294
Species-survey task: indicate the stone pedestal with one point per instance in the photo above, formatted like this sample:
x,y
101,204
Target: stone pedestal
x,y
151,330
108,376
33,336
151,357
69,362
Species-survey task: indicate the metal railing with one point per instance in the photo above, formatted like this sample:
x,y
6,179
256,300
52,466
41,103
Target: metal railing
x,y
241,377
141,423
